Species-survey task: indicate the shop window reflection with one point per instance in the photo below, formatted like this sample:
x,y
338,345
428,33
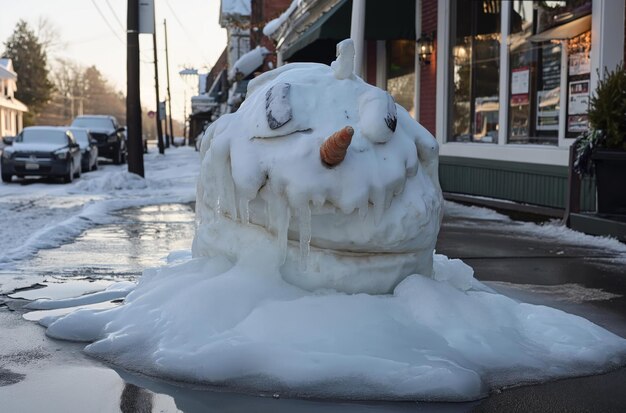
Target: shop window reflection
x,y
401,73
474,106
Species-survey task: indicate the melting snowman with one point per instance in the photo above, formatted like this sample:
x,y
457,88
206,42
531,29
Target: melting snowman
x,y
313,272
340,175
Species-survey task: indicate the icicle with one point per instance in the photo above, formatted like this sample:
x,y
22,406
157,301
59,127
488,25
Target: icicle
x,y
283,229
244,210
218,206
279,215
304,225
228,190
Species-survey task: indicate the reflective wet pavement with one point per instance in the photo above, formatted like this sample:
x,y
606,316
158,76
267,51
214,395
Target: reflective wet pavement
x,y
42,374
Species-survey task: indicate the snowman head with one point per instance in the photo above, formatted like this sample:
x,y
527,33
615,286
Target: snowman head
x,y
329,168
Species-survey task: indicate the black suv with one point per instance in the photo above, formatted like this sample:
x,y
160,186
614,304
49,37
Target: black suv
x,y
108,135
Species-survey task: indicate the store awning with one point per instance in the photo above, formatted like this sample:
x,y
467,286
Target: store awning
x,y
564,31
314,31
382,22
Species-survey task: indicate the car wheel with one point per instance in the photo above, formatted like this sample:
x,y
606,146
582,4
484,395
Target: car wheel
x,y
69,176
117,158
6,178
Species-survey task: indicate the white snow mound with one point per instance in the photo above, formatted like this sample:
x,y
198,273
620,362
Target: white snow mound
x,y
242,326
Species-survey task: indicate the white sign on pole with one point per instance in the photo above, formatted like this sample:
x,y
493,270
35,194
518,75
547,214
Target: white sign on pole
x,y
146,16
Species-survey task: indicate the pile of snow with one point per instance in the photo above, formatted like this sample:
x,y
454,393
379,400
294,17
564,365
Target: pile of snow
x,y
247,63
277,297
235,9
241,325
111,181
273,25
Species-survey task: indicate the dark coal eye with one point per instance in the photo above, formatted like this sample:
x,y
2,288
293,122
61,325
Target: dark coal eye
x,y
277,105
391,119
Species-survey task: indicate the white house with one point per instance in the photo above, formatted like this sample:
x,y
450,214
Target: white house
x,y
11,109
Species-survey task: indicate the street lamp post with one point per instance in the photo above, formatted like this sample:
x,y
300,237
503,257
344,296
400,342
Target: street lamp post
x,y
187,74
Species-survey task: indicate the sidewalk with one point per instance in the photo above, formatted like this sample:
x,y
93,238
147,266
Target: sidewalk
x,y
552,266
538,264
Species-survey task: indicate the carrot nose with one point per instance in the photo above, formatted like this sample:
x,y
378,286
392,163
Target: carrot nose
x,y
334,149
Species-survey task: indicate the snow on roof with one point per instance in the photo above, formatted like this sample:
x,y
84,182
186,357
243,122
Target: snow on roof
x,y
273,25
12,103
235,9
247,63
6,69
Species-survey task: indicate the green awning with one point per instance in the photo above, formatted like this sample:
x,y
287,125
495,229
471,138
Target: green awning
x,y
383,21
314,32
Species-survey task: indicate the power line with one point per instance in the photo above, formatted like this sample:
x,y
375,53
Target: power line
x,y
182,26
176,17
107,22
115,15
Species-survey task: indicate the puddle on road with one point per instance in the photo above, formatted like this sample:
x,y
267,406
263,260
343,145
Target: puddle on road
x,y
574,293
137,239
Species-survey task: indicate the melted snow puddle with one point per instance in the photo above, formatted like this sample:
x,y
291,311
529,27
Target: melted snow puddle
x,y
58,289
573,293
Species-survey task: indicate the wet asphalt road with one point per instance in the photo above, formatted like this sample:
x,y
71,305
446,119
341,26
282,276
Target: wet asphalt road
x,y
41,374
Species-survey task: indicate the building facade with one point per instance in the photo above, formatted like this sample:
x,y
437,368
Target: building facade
x,y
504,88
11,109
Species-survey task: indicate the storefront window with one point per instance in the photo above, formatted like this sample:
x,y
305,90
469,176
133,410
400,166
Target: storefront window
x,y
578,78
535,68
401,73
475,39
541,32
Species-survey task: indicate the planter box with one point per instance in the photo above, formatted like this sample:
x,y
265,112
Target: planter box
x,y
610,169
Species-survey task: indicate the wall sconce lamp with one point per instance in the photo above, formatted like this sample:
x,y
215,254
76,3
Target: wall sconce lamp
x,y
425,47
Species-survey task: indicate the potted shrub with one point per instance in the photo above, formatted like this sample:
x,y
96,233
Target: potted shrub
x,y
601,151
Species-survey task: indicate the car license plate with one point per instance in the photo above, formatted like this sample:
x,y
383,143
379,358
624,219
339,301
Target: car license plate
x,y
31,166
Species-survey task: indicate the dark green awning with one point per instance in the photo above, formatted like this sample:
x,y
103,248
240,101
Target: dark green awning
x,y
384,20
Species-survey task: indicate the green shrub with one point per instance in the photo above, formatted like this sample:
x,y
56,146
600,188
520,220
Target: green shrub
x,y
607,108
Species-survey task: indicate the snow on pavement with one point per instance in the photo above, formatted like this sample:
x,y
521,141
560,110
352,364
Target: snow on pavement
x,y
552,230
38,215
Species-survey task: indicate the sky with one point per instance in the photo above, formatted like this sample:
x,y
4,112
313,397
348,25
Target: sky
x,y
94,33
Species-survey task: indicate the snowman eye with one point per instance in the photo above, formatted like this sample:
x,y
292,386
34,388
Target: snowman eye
x,y
391,119
277,105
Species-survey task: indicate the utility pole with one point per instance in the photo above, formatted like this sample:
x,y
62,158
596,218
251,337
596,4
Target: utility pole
x,y
167,71
185,117
133,103
159,123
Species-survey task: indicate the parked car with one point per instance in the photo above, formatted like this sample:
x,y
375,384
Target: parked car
x,y
108,134
88,148
143,139
42,151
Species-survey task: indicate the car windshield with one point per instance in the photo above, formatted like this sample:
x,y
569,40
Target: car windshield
x,y
81,136
99,123
51,136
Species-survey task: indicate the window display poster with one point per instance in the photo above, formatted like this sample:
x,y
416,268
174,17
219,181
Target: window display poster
x,y
577,123
548,110
578,97
519,81
579,64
